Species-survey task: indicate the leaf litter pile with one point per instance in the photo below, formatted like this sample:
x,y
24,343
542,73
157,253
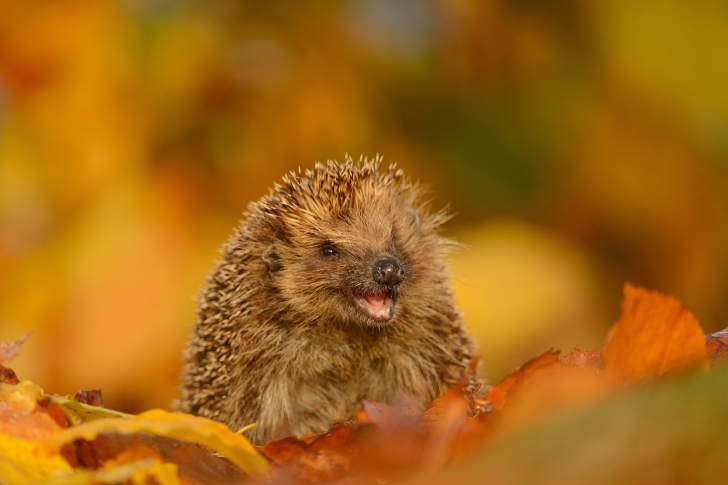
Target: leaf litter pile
x,y
649,406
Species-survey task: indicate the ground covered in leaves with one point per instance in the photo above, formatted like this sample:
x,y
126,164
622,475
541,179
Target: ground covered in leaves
x,y
646,407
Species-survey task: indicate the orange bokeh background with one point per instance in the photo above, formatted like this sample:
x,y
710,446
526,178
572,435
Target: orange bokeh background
x,y
582,144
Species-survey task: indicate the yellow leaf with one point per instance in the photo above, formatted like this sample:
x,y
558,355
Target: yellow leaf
x,y
79,412
138,473
26,394
24,461
193,429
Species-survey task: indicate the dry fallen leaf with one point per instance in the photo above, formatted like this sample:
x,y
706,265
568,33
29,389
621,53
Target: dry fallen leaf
x,y
19,416
65,441
498,394
314,458
78,412
7,375
654,335
716,344
23,461
175,425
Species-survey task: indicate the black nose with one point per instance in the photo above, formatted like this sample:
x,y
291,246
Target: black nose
x,y
388,271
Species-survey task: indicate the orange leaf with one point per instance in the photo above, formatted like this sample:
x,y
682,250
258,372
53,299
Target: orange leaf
x,y
452,434
549,391
20,414
498,394
312,458
654,335
384,415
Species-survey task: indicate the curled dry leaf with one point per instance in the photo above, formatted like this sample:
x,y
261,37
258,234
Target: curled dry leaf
x,y
7,375
175,425
79,412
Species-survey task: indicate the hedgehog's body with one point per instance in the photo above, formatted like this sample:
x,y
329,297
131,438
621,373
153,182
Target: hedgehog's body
x,y
333,290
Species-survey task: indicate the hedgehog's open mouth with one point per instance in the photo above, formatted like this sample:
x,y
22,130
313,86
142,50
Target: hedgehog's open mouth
x,y
378,306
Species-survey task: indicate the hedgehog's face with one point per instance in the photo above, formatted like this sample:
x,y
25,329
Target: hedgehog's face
x,y
362,266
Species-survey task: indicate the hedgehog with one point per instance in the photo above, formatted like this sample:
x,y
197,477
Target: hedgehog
x,y
333,290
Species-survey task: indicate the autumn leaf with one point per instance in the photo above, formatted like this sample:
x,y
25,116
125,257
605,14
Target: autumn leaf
x,y
498,394
313,458
451,433
716,345
7,375
18,412
138,472
541,389
23,461
175,425
654,335
78,412
669,432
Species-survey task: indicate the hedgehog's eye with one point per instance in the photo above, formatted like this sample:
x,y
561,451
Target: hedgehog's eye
x,y
328,250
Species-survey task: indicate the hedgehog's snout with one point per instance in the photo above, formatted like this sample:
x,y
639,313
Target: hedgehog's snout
x,y
388,271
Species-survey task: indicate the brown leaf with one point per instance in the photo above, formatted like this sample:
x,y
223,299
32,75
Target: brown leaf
x,y
8,351
193,429
716,345
91,397
88,454
53,410
134,452
313,458
7,375
654,335
196,465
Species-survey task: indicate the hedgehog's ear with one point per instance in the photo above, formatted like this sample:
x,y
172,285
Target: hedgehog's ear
x,y
272,259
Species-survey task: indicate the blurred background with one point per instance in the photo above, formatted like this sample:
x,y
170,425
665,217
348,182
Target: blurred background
x,y
581,144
